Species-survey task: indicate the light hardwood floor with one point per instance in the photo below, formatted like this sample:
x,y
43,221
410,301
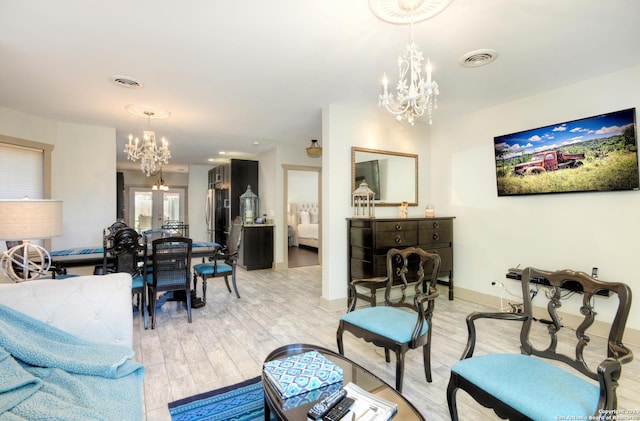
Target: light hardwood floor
x,y
229,339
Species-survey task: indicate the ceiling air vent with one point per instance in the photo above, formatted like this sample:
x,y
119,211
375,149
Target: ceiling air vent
x,y
126,81
478,58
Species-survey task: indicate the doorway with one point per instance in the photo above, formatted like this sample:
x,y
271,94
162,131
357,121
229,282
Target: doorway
x,y
302,201
150,209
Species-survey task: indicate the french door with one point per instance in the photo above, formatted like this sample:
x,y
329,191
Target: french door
x,y
149,209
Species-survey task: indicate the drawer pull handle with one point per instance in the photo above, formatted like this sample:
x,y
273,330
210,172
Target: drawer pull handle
x,y
436,225
398,240
436,236
398,227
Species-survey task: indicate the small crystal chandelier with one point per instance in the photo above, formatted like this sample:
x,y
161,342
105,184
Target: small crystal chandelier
x,y
149,154
415,93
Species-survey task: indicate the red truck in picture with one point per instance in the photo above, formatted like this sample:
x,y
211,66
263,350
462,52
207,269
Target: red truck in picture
x,y
549,161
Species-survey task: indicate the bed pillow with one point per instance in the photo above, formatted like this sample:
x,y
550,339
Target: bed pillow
x,y
305,218
314,217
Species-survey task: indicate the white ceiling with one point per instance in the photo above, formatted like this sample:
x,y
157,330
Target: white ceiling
x,y
237,72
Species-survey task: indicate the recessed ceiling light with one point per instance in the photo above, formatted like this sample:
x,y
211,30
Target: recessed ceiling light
x,y
211,159
256,143
126,81
478,58
222,153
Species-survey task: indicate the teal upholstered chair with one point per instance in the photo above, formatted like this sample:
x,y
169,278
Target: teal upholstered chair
x,y
405,321
171,271
530,386
223,263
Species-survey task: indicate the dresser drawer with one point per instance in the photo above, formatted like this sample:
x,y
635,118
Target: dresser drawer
x,y
446,258
396,234
435,232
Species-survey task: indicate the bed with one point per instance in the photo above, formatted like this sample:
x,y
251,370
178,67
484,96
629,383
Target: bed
x,y
303,218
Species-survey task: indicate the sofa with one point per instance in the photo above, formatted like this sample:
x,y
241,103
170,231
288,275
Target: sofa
x,y
80,326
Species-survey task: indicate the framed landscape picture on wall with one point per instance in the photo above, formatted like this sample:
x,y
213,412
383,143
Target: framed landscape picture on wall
x,y
598,153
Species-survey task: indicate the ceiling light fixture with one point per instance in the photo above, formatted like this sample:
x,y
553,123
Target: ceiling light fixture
x,y
160,185
149,154
315,150
415,93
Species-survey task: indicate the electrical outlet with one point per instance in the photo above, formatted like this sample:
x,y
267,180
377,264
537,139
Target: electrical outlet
x,y
594,273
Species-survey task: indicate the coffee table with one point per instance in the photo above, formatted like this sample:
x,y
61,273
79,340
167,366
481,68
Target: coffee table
x,y
352,373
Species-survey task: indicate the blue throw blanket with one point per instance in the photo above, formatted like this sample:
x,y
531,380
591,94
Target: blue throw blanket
x,y
46,373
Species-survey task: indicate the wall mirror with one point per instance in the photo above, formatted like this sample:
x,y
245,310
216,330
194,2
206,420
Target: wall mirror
x,y
393,176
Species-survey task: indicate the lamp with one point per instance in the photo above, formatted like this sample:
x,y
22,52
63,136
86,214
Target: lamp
x,y
27,220
315,150
148,152
415,93
160,185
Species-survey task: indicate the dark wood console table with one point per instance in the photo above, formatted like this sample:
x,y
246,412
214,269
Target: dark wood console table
x,y
370,239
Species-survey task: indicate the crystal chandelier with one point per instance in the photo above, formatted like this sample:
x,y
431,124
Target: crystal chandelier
x,y
415,94
149,154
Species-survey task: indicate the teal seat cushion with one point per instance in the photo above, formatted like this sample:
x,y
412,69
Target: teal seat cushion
x,y
138,282
388,322
531,385
207,269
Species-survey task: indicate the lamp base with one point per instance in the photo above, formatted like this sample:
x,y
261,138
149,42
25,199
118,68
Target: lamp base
x,y
15,263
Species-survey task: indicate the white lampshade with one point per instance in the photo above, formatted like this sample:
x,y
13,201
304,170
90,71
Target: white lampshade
x,y
30,219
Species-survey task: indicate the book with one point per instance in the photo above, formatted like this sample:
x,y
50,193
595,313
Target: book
x,y
301,373
368,406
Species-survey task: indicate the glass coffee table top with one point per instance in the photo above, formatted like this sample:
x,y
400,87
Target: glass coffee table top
x,y
283,409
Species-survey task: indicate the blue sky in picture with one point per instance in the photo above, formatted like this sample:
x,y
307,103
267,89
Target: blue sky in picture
x,y
562,134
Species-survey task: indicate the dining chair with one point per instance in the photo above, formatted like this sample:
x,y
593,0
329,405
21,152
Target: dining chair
x,y
127,250
224,262
405,321
171,264
556,382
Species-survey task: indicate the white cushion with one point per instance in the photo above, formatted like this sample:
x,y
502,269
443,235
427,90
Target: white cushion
x,y
96,308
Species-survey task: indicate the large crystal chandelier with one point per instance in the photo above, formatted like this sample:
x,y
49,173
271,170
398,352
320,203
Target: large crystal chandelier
x,y
416,94
149,154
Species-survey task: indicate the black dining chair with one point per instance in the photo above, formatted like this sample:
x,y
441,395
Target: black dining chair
x,y
171,271
224,262
126,249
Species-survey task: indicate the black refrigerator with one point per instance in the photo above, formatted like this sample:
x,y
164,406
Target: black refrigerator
x,y
227,182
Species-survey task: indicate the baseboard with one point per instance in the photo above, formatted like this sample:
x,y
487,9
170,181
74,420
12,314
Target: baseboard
x,y
631,336
333,305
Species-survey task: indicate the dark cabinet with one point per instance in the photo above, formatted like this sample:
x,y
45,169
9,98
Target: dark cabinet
x,y
256,248
370,239
229,181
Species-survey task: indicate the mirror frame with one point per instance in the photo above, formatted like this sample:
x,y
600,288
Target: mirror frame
x,y
355,149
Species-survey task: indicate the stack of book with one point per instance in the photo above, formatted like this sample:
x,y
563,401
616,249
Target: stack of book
x,y
303,373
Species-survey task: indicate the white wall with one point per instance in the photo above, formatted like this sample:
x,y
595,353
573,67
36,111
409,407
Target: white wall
x,y
302,186
342,128
83,173
197,197
575,230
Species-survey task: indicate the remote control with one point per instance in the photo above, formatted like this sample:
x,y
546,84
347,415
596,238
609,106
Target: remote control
x,y
340,410
321,408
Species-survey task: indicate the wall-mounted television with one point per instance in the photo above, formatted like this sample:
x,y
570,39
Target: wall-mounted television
x,y
598,153
369,171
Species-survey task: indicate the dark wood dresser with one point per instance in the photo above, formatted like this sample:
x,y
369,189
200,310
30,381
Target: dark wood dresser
x,y
370,239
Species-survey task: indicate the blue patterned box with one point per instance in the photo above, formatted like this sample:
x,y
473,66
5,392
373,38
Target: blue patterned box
x,y
302,373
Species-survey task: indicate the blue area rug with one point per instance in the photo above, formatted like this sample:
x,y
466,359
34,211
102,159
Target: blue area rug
x,y
242,402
